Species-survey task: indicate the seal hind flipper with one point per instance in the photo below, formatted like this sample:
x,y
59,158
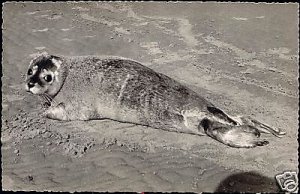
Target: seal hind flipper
x,y
219,113
264,128
244,136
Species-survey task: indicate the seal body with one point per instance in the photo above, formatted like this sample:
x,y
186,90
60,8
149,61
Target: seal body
x,y
92,87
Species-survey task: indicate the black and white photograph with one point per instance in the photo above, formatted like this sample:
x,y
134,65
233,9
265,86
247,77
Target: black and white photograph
x,y
150,96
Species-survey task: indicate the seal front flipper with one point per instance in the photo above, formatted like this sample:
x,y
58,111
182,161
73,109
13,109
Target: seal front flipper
x,y
57,112
244,136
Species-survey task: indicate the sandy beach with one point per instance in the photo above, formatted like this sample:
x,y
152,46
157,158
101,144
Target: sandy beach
x,y
242,57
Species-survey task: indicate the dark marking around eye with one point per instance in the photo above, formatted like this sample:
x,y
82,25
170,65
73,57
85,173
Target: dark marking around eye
x,y
48,78
29,72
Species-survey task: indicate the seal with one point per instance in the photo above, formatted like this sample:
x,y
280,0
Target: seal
x,y
93,87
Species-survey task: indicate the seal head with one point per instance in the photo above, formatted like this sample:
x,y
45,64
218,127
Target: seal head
x,y
45,75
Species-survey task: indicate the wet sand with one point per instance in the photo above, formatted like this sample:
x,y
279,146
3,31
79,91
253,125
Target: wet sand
x,y
243,58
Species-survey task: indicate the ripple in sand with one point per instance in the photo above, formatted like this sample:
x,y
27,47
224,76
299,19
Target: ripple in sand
x,y
260,17
99,20
240,19
40,48
31,12
67,39
80,8
41,30
42,16
54,17
65,29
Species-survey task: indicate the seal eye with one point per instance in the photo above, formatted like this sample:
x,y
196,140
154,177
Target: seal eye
x,y
29,72
48,78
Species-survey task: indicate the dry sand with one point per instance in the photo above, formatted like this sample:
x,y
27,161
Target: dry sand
x,y
242,57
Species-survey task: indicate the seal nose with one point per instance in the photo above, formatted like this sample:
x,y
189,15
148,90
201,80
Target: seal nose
x,y
30,84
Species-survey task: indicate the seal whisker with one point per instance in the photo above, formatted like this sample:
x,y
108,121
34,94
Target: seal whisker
x,y
51,100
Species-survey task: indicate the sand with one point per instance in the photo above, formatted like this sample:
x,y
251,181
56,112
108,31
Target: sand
x,y
242,57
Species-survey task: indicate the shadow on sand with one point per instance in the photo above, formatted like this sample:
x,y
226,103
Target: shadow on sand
x,y
248,182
